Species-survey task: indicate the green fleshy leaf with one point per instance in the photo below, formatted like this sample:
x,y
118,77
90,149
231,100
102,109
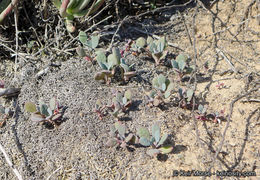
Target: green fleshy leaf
x,y
156,132
94,41
98,104
50,112
44,110
52,104
155,83
144,141
152,47
119,97
200,108
163,87
2,110
129,137
113,128
124,100
120,128
83,37
101,59
117,54
161,80
189,94
149,40
152,93
125,67
174,64
160,46
182,57
166,149
141,42
143,132
181,65
128,94
30,107
161,43
169,90
162,140
112,61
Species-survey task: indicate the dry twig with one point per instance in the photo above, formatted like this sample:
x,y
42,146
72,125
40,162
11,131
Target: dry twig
x,y
9,162
228,123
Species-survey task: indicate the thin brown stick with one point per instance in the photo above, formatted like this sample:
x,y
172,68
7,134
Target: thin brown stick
x,y
16,40
228,123
9,162
245,15
185,26
220,20
113,38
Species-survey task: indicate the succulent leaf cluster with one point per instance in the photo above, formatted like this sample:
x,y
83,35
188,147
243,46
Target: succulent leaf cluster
x,y
120,103
89,44
155,48
155,140
111,64
163,88
119,137
181,65
71,9
43,112
185,97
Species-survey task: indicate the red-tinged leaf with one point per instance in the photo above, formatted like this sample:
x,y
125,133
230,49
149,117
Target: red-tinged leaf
x,y
88,58
2,84
153,152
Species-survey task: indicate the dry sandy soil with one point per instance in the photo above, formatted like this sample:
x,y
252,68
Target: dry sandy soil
x,y
223,32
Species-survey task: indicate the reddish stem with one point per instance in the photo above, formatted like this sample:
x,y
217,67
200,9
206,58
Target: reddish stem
x,y
63,7
8,10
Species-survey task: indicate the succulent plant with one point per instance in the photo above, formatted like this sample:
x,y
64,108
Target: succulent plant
x,y
185,98
202,112
119,137
181,65
89,45
71,9
163,88
43,112
6,6
110,64
155,140
121,102
139,45
155,48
